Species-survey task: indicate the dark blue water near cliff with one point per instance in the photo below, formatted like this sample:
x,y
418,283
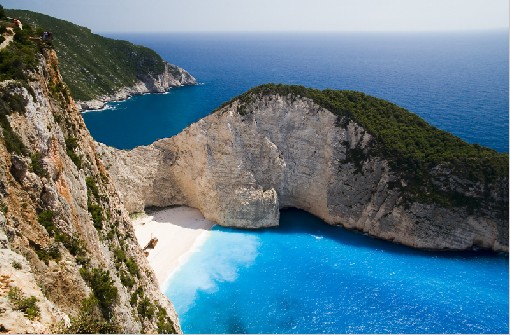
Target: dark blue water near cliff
x,y
305,276
456,81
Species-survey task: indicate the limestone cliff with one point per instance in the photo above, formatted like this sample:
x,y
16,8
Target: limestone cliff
x,y
172,76
67,248
263,152
98,69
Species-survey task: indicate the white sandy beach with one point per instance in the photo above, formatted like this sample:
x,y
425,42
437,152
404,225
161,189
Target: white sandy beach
x,y
180,231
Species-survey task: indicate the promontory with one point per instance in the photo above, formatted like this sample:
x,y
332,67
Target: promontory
x,y
349,158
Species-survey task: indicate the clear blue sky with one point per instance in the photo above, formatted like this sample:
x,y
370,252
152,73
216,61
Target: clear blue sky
x,y
275,15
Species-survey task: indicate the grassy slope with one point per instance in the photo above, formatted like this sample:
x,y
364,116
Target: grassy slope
x,y
412,145
92,65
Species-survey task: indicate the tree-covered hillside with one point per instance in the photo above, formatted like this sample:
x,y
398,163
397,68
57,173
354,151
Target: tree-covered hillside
x,y
413,147
90,64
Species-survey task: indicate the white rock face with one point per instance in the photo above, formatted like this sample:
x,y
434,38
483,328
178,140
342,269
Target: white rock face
x,y
173,76
286,152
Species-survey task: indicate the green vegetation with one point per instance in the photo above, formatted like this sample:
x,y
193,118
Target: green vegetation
x,y
11,102
91,321
16,265
102,287
93,201
27,305
145,308
120,258
71,146
126,279
92,65
165,324
16,61
13,142
92,188
73,244
20,55
45,218
134,296
36,165
132,267
412,146
96,211
45,254
148,310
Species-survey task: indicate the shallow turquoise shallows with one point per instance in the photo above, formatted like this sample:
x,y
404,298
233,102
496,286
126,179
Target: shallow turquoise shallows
x,y
308,277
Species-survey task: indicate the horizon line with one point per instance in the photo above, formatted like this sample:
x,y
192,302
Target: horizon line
x,y
506,29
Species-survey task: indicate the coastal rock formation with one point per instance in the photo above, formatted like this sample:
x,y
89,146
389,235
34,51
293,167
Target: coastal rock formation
x,y
263,152
69,259
173,76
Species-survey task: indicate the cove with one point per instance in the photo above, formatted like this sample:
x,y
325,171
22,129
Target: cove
x,y
305,276
308,277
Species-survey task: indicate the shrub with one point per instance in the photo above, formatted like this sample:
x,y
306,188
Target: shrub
x,y
97,215
52,252
94,209
36,164
71,145
120,257
82,260
132,267
92,188
126,279
21,303
45,218
134,296
145,308
13,142
16,265
165,324
102,287
95,65
90,320
73,244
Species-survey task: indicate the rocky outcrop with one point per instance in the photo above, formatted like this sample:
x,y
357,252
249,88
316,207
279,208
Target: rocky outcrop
x,y
244,162
172,76
65,237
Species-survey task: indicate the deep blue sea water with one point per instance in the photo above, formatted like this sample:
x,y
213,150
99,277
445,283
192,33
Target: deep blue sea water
x,y
305,276
456,81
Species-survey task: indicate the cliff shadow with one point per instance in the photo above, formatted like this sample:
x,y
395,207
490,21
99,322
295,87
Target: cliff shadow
x,y
182,216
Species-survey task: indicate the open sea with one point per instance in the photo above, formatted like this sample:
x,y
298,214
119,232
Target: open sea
x,y
305,276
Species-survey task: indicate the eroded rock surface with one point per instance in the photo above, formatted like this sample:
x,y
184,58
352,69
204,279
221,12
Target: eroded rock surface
x,y
61,218
173,76
239,168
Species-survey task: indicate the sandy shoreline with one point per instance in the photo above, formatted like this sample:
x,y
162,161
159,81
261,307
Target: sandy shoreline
x,y
180,231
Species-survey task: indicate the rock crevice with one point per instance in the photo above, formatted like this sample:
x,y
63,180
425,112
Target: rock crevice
x,y
240,168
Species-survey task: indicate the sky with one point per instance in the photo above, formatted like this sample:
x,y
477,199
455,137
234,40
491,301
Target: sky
x,y
274,15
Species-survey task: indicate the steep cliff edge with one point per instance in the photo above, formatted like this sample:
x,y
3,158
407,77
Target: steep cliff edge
x,y
172,76
351,159
98,69
69,259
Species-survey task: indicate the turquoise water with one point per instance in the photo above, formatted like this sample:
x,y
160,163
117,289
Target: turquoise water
x,y
307,277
